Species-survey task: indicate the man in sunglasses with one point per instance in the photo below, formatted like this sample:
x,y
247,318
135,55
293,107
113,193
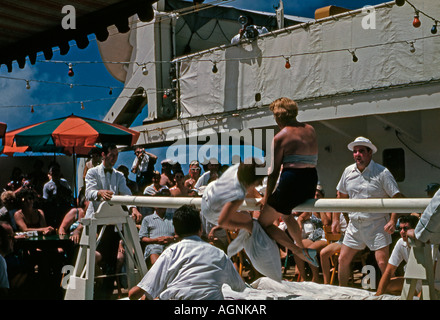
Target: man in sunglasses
x,y
389,283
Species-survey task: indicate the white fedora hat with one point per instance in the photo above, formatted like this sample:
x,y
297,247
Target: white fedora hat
x,y
361,141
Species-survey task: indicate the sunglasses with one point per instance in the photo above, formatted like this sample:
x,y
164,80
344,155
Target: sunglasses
x,y
404,228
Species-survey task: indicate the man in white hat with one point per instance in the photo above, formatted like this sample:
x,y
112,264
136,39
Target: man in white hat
x,y
361,180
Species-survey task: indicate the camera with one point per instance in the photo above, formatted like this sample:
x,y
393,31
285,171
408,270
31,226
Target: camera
x,y
251,32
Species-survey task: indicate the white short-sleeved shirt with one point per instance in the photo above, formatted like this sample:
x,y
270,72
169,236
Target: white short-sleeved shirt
x,y
375,181
400,253
191,270
225,189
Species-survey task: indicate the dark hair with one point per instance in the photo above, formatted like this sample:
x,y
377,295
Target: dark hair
x,y
412,220
247,171
94,150
106,147
81,197
123,169
186,220
24,193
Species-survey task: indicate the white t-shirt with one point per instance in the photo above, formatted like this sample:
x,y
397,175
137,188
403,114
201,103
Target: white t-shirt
x,y
225,189
191,270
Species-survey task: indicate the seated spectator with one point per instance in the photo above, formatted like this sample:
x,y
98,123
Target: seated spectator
x,y
167,178
156,233
313,235
190,269
71,223
193,175
6,247
389,283
179,189
328,251
132,185
94,160
211,174
29,218
58,197
248,31
9,202
152,190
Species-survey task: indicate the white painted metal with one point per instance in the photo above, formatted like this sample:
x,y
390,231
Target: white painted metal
x,y
81,283
399,205
420,267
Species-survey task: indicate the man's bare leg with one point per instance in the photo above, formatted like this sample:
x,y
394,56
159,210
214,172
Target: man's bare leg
x,y
345,259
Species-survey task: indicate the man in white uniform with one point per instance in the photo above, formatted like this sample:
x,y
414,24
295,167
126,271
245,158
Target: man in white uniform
x,y
102,182
190,269
362,180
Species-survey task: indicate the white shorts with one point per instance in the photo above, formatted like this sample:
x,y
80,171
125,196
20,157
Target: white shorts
x,y
366,232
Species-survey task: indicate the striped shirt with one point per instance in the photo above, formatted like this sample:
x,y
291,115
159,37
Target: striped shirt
x,y
154,226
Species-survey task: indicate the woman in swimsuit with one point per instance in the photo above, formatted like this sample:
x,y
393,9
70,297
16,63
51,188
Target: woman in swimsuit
x,y
28,218
295,150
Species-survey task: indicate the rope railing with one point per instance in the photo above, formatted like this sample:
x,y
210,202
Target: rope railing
x,y
380,205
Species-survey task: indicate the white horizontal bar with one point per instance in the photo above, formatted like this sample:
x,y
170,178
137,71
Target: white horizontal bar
x,y
385,205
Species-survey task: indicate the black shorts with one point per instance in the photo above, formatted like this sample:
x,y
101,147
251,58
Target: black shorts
x,y
295,187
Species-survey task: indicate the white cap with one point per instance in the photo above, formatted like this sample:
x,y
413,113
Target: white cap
x,y
361,141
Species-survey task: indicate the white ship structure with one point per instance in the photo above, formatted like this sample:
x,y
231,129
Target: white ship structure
x,y
365,72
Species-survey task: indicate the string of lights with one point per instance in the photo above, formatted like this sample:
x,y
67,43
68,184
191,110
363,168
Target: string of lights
x,y
417,22
81,102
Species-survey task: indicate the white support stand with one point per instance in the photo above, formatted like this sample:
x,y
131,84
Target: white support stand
x,y
81,282
419,267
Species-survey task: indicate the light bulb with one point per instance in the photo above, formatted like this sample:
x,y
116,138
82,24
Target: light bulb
x,y
32,109
110,92
434,28
412,49
355,58
144,70
144,94
416,21
70,72
71,86
287,65
400,2
82,105
214,68
28,86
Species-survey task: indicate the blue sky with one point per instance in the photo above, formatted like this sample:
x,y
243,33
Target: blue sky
x,y
95,80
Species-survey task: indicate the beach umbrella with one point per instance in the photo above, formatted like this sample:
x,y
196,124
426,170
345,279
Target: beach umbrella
x,y
75,135
71,135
